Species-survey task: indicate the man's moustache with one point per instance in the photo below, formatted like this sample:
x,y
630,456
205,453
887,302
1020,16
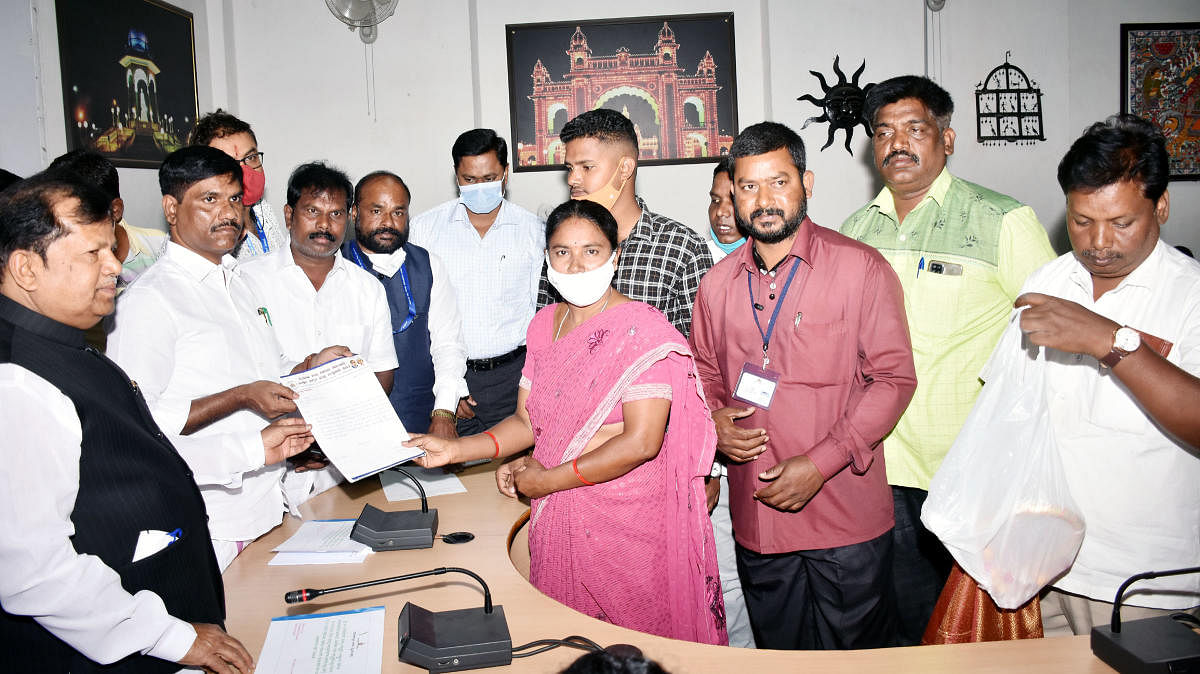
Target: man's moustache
x,y
778,212
386,230
322,235
227,223
901,153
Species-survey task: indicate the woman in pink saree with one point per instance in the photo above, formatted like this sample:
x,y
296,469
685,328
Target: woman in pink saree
x,y
622,439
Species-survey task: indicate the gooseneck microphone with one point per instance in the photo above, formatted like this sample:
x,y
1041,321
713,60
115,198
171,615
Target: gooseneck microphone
x,y
1167,643
1116,612
307,594
420,489
401,530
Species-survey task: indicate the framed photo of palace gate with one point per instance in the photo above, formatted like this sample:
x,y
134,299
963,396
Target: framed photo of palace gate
x,y
128,78
672,76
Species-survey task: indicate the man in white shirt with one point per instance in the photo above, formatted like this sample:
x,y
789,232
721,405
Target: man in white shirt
x,y
75,593
315,296
424,315
1120,319
493,251
205,356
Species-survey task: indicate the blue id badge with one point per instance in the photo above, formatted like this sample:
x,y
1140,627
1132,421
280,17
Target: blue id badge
x,y
756,386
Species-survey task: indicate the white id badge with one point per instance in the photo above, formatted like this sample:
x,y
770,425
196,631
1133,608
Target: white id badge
x,y
756,386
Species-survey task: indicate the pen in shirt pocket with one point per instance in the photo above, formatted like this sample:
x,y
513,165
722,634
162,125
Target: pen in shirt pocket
x,y
262,311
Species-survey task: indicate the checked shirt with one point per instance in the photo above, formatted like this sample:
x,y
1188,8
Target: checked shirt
x,y
661,264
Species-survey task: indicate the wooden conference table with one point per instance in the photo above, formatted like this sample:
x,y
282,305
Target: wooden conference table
x,y
254,594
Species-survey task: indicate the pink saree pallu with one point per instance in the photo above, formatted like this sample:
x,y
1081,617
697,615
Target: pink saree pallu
x,y
636,551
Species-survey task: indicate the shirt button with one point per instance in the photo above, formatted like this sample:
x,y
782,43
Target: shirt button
x,y
772,273
772,286
903,237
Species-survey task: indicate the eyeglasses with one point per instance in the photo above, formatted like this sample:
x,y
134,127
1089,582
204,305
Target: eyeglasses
x,y
253,160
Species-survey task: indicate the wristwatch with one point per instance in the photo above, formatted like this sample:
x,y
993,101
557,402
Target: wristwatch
x,y
1126,340
443,413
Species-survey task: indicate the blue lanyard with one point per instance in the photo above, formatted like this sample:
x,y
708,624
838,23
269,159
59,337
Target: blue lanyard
x,y
766,336
412,306
260,231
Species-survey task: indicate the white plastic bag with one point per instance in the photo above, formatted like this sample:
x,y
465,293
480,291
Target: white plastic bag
x,y
1000,502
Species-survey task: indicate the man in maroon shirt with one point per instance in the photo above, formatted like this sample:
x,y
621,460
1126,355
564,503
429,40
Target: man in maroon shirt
x,y
802,345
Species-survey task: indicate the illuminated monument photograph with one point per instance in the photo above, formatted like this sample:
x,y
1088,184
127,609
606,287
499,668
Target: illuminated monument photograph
x,y
128,78
673,77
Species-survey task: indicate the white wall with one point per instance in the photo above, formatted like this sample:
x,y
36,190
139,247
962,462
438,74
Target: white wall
x,y
299,77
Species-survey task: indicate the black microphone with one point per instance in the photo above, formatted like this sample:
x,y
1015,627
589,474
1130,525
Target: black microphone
x,y
441,641
1162,644
1116,612
308,594
401,530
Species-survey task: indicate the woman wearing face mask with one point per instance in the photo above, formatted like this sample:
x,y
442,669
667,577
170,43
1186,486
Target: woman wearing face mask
x,y
619,529
235,138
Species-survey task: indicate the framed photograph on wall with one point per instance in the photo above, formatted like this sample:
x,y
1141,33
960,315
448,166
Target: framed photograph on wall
x,y
1160,81
673,76
128,78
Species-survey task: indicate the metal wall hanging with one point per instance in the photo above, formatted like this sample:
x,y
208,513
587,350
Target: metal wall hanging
x,y
1008,107
842,105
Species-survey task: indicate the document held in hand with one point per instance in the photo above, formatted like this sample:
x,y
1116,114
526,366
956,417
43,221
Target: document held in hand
x,y
351,417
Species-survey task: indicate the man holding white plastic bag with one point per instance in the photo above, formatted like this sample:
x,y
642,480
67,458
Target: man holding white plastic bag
x,y
1120,319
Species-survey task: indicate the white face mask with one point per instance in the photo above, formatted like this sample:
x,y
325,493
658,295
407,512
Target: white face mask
x,y
482,197
584,288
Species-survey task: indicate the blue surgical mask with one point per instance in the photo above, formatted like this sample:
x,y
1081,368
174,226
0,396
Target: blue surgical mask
x,y
482,197
727,247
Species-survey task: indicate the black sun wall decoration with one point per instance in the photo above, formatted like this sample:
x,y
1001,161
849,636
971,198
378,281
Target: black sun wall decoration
x,y
842,106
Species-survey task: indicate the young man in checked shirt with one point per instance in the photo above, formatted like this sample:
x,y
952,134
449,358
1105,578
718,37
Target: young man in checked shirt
x,y
661,260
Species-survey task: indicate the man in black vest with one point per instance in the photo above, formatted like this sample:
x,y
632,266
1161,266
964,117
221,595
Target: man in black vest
x,y
108,559
425,321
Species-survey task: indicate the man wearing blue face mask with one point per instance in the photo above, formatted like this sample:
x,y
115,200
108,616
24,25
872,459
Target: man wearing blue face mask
x,y
492,249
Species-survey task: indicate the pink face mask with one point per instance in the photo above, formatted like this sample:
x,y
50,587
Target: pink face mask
x,y
253,184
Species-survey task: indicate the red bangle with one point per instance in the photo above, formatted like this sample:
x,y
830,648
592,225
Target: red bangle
x,y
580,475
495,442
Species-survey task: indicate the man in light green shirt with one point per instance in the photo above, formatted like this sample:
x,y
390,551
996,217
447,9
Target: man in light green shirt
x,y
962,253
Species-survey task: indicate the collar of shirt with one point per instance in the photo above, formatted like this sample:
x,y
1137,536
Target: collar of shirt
x,y
196,266
643,228
387,263
287,260
937,192
460,215
802,248
39,324
1146,275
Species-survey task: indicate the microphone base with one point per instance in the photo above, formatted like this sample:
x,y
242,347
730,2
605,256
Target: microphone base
x,y
452,641
1160,644
403,530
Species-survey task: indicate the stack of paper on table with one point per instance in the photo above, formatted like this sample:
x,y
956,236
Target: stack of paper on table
x,y
348,642
321,542
435,481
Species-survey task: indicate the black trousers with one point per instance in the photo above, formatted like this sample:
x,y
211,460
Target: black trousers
x,y
495,391
920,568
836,598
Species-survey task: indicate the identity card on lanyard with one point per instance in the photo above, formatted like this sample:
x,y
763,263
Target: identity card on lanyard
x,y
756,385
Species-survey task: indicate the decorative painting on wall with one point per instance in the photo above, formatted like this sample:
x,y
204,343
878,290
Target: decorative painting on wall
x,y
1160,81
1008,107
128,78
672,76
842,104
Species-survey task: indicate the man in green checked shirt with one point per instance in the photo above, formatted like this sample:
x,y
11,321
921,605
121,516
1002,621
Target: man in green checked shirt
x,y
962,253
